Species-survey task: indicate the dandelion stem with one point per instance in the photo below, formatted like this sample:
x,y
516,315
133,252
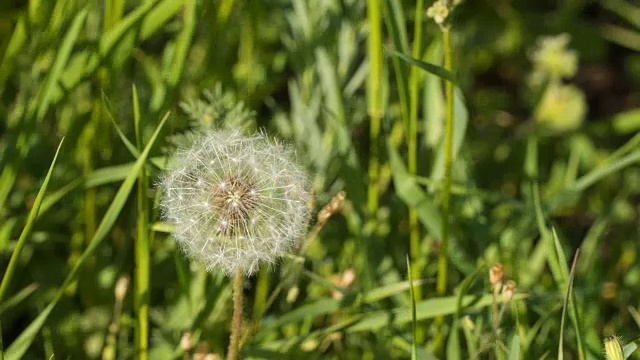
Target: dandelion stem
x,y
236,325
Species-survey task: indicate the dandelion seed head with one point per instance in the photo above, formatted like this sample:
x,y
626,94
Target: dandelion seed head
x,y
236,202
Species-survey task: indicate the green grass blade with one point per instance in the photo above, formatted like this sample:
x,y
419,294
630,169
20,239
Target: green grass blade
x,y
26,231
6,230
460,121
38,108
431,68
409,191
565,306
142,256
24,340
414,321
573,311
159,16
514,348
626,122
585,181
453,344
426,309
62,57
375,109
19,38
183,43
327,306
395,23
148,17
591,178
17,298
128,144
22,240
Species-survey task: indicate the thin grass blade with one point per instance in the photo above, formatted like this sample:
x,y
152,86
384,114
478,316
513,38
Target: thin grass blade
x,y
19,347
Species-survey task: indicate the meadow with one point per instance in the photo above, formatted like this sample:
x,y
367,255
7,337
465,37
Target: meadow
x,y
393,179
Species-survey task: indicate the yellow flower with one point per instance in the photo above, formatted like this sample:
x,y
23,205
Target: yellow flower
x,y
613,348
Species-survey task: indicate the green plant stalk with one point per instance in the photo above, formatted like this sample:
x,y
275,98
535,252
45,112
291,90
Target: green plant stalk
x,y
236,323
141,248
446,187
260,298
441,285
1,343
223,12
412,166
374,18
87,167
414,323
374,110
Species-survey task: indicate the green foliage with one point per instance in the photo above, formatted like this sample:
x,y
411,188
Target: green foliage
x,y
90,271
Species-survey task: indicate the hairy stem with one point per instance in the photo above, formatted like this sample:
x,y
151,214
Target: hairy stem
x,y
236,324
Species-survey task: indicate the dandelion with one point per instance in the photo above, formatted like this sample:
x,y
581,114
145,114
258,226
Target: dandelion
x,y
236,202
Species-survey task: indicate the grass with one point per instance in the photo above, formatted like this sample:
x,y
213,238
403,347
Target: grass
x,y
432,136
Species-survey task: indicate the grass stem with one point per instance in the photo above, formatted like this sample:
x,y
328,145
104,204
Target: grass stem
x,y
446,188
142,246
412,143
441,285
374,18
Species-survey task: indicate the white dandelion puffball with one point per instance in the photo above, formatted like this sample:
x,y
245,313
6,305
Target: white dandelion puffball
x,y
235,201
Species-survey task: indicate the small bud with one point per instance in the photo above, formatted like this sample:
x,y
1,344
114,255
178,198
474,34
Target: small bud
x,y
333,207
310,345
613,348
467,323
495,278
292,294
121,288
201,351
344,280
609,290
186,343
495,275
438,11
509,290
